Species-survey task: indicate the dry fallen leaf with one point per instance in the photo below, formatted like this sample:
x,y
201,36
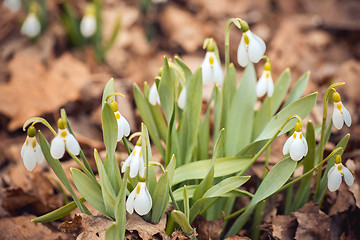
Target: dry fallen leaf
x,y
72,226
94,227
284,227
145,229
209,229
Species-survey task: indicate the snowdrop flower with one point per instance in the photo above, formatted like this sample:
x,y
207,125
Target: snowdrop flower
x,y
211,69
251,47
13,5
31,152
265,83
340,114
336,172
181,99
296,144
154,97
31,26
88,22
123,124
64,139
139,199
135,161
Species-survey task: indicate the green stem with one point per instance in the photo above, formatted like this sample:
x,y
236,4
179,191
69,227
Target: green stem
x,y
235,213
82,166
268,143
227,39
35,120
126,145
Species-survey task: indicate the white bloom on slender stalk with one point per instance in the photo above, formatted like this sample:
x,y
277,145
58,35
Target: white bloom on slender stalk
x,y
335,175
251,47
265,83
88,22
340,114
13,5
64,139
31,152
154,97
139,200
135,161
296,144
123,124
31,26
182,98
211,69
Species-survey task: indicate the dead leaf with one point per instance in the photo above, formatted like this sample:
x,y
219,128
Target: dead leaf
x,y
312,222
180,235
284,227
94,227
209,229
33,90
235,237
72,226
21,228
145,229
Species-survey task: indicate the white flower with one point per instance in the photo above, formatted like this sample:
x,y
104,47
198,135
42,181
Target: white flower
x,y
340,113
123,126
31,153
64,139
139,199
154,97
335,173
211,69
296,144
265,83
13,5
136,163
88,25
31,26
181,99
251,48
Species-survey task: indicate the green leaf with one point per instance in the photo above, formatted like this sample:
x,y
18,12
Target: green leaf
x,y
199,169
189,126
59,171
226,186
109,89
113,232
204,137
147,116
171,169
196,208
180,218
166,91
227,94
298,89
107,190
183,66
264,114
303,193
240,117
160,198
218,111
58,213
90,191
301,107
273,181
110,134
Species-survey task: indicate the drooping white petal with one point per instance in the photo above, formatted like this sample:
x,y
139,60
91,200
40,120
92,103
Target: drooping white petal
x,y
349,179
218,75
334,180
261,85
182,98
88,25
143,201
206,70
39,156
23,148
31,26
305,144
72,144
286,148
13,5
346,116
242,53
256,47
141,167
330,171
154,97
29,158
126,163
57,148
135,162
337,118
270,86
123,127
297,149
130,202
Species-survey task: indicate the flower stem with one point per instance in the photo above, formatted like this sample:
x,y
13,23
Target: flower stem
x,y
227,39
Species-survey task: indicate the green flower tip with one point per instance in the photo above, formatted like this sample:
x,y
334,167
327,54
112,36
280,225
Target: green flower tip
x,y
142,179
61,123
336,97
298,127
114,106
267,66
138,143
244,26
337,159
31,132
